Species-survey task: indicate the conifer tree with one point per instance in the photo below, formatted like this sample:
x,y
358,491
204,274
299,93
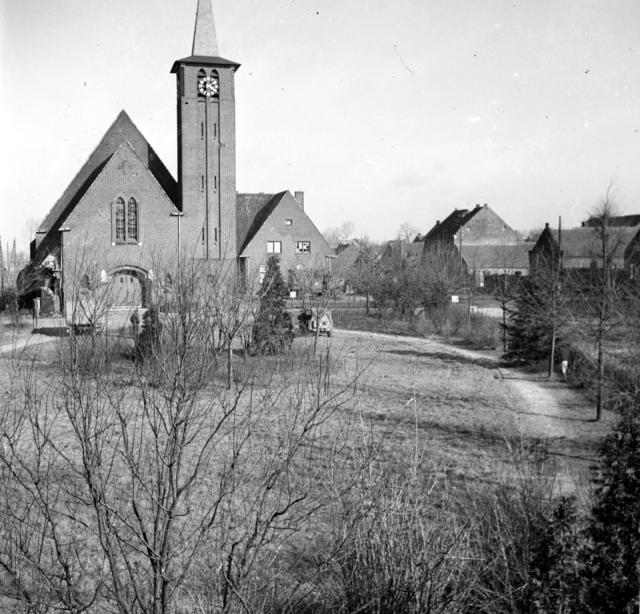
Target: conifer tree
x,y
611,559
272,329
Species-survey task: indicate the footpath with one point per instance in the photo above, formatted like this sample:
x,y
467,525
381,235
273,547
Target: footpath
x,y
547,410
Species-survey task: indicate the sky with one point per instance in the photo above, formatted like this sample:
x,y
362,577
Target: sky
x,y
381,112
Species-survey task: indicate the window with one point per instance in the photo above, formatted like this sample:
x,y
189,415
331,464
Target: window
x,y
125,221
263,272
288,222
132,220
303,247
274,247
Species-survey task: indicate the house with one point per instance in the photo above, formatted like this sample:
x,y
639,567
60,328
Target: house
x,y
613,220
124,214
275,225
581,249
487,245
348,262
400,250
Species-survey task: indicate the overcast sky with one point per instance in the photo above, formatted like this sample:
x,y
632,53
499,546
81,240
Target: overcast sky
x,y
381,111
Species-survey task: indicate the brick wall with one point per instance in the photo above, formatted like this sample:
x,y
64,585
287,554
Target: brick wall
x,y
87,245
275,228
487,228
206,162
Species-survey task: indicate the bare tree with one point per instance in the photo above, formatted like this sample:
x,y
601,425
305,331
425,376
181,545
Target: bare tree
x,y
122,482
407,232
603,290
339,234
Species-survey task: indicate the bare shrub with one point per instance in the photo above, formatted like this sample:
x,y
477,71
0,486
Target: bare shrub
x,y
154,487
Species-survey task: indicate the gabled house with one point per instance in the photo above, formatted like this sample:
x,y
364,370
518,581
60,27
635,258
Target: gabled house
x,y
487,245
582,249
276,225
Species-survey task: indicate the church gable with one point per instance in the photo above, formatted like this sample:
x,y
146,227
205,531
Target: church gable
x,y
122,129
124,216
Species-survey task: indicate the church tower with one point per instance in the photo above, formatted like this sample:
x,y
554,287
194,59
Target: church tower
x,y
207,144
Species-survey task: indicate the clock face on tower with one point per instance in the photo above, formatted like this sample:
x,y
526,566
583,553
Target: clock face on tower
x,y
208,86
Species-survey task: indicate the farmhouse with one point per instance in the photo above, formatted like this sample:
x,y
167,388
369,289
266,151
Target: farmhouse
x,y
487,244
582,249
123,212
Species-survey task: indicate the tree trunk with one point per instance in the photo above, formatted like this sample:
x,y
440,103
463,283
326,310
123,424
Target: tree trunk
x,y
600,382
229,364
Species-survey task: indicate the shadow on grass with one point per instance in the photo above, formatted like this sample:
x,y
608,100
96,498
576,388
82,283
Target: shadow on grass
x,y
487,363
51,331
563,418
452,430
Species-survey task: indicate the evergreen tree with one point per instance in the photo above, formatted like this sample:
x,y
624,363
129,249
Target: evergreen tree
x,y
148,341
272,329
530,324
611,559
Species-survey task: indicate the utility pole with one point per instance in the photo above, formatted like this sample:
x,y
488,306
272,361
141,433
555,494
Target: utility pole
x,y
556,267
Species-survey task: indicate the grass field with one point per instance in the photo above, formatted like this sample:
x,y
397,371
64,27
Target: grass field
x,y
406,432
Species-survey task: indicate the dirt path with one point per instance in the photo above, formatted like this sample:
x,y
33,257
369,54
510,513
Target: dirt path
x,y
546,410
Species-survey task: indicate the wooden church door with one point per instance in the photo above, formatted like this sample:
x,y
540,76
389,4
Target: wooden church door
x,y
127,289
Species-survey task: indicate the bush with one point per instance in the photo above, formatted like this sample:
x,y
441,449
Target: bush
x,y
148,341
610,561
482,333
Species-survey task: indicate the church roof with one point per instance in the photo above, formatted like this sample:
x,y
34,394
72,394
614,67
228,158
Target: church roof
x,y
122,130
205,41
252,210
198,60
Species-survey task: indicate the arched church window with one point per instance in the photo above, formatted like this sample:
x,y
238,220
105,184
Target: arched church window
x,y
120,220
132,220
125,220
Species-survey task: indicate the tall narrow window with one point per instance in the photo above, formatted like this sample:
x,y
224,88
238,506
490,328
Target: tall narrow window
x,y
119,221
125,221
132,220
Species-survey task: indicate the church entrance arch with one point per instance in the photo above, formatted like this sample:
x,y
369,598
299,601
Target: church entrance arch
x,y
129,287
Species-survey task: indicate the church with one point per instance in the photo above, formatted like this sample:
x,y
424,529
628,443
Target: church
x,y
123,212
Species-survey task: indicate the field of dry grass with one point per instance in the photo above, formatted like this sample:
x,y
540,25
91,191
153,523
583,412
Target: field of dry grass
x,y
459,410
433,420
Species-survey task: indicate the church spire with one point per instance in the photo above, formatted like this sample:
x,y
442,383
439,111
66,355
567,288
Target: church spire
x,y
205,41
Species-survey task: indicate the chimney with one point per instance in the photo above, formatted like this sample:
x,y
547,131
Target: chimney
x,y
299,196
478,206
546,226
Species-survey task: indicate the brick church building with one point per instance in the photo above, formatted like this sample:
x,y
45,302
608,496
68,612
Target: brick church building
x,y
123,212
